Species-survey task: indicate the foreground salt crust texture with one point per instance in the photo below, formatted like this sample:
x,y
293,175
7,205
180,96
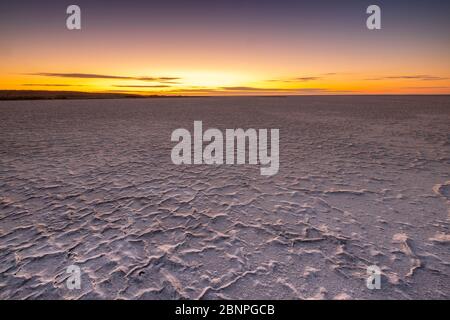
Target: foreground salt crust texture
x,y
363,181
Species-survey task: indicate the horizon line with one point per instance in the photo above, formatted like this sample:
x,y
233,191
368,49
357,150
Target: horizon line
x,y
59,95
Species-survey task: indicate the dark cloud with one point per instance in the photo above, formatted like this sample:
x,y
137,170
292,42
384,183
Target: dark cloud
x,y
304,79
168,78
409,77
101,76
143,86
159,79
298,79
49,85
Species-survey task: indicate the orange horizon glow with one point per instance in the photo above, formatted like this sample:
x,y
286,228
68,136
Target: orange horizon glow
x,y
229,83
355,76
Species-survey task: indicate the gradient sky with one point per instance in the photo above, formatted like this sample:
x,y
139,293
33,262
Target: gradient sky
x,y
226,47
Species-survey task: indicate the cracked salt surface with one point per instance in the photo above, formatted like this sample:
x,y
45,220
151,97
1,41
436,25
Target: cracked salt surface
x,y
363,181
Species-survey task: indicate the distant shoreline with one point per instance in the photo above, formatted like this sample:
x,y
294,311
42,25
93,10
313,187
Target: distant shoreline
x,y
17,95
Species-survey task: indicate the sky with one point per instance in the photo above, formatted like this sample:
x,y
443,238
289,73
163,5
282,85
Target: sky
x,y
253,47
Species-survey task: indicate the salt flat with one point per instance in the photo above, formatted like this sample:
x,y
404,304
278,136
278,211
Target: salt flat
x,y
362,181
